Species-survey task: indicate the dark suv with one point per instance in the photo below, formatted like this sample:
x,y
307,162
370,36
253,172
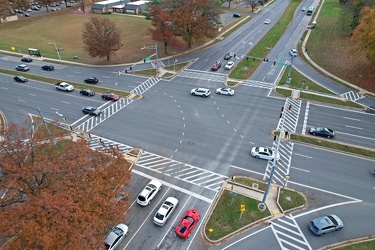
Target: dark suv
x,y
92,80
48,67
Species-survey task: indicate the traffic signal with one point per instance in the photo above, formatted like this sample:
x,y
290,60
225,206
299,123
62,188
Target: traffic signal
x,y
274,62
144,60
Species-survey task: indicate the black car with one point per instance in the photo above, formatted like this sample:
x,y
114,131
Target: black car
x,y
87,92
20,79
228,56
48,67
236,15
26,59
326,132
91,111
92,80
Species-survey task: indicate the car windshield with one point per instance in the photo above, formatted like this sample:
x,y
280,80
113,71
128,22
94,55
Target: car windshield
x,y
118,231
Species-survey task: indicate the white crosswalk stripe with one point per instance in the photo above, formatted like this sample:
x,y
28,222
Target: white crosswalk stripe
x,y
186,172
115,107
289,234
258,84
203,75
352,96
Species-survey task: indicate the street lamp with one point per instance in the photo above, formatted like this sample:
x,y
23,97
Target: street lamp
x,y
58,53
155,47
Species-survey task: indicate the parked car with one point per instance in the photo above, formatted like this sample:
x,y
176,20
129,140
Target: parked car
x,y
34,7
149,192
91,80
26,59
187,223
91,111
87,92
225,91
267,21
263,153
29,10
22,67
26,15
236,15
200,92
229,65
320,131
216,66
228,56
165,211
115,236
326,224
110,96
20,79
48,67
293,52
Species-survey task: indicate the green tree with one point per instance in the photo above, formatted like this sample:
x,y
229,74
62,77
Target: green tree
x,y
58,194
364,35
101,37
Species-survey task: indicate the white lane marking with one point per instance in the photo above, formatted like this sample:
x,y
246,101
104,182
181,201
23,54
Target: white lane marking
x,y
201,197
251,142
305,119
77,72
368,138
301,169
32,94
303,155
106,77
65,102
353,127
20,100
242,137
4,88
206,59
351,118
69,76
55,108
329,206
173,223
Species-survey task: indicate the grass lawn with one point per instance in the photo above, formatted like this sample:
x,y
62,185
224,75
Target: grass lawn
x,y
249,182
290,199
329,47
284,92
358,246
324,99
225,218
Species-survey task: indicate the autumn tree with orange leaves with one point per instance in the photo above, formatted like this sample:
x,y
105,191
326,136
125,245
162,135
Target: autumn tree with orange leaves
x,y
57,193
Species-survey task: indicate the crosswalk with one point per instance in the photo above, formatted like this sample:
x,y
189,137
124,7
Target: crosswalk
x,y
291,112
115,107
258,84
289,234
352,96
179,170
203,75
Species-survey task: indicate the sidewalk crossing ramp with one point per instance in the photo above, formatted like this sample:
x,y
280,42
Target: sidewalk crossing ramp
x,y
160,164
352,96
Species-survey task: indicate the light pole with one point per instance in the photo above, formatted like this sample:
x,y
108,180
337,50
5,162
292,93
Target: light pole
x,y
288,79
155,47
58,53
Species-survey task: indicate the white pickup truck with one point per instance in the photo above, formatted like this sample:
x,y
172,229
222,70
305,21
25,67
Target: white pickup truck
x,y
63,86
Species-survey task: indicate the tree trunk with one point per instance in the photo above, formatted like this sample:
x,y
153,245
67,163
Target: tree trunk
x,y
165,47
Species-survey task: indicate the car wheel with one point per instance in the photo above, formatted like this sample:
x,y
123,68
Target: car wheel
x,y
328,136
204,95
160,188
338,229
81,93
192,93
257,156
228,94
313,133
149,202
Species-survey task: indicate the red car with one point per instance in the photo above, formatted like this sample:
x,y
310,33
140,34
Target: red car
x,y
110,96
187,224
216,66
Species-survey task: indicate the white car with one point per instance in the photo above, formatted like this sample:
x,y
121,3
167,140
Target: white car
x,y
149,192
303,9
263,153
165,211
229,65
267,21
293,52
115,236
200,92
225,91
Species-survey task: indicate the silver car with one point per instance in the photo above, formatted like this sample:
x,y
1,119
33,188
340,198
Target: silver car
x,y
326,224
115,236
200,92
165,211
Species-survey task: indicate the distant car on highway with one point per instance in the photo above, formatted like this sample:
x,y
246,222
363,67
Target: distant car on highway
x,y
267,21
216,66
115,236
48,67
229,65
293,52
91,80
264,153
110,96
303,9
149,192
22,67
87,92
165,211
225,91
200,92
20,79
228,56
321,131
326,224
91,111
187,223
26,59
63,86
